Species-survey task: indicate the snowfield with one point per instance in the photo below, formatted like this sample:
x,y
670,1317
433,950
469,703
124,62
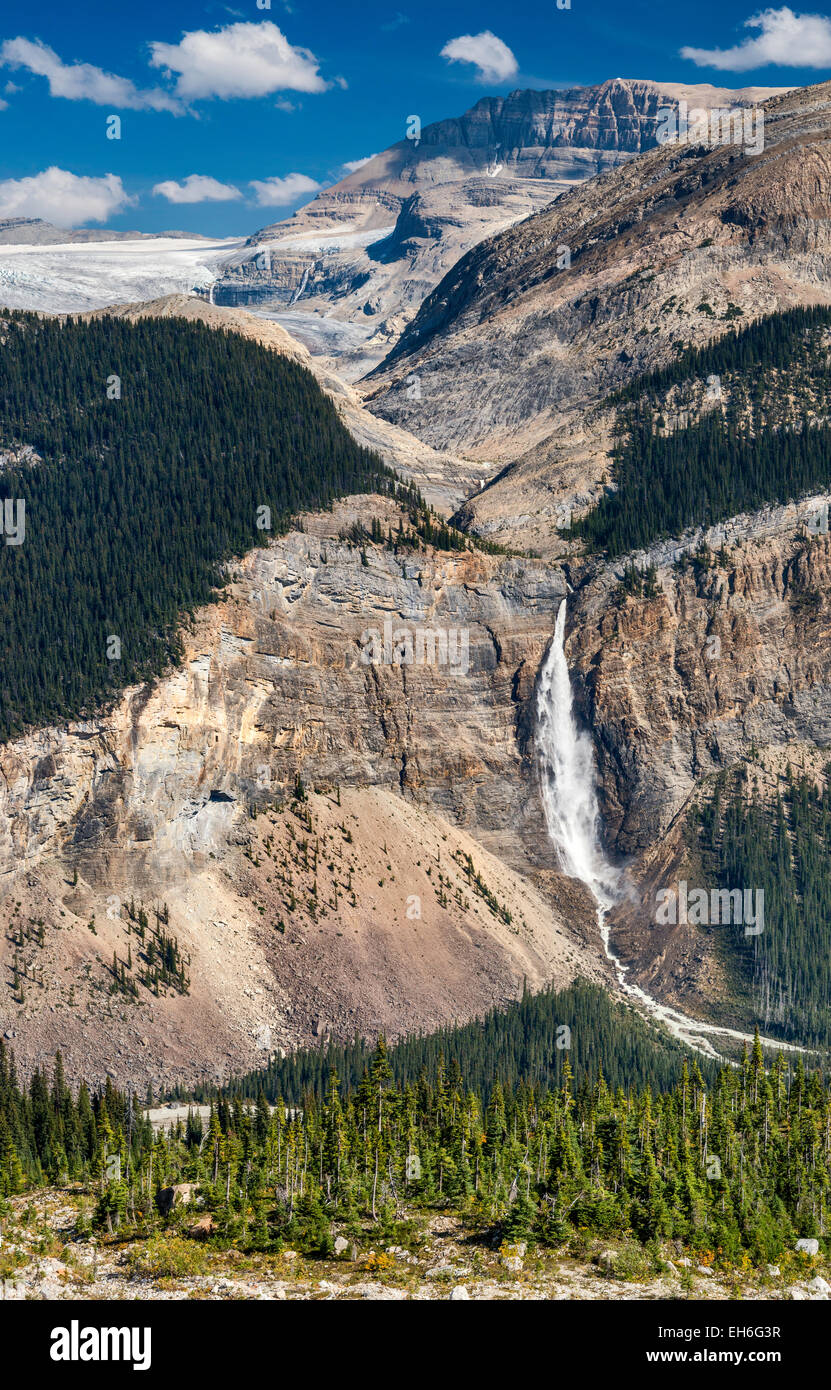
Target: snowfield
x,y
314,243
73,277
318,332
76,277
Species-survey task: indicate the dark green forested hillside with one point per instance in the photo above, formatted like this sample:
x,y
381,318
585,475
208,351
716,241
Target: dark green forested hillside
x,y
782,847
523,1043
778,342
137,500
766,439
733,1168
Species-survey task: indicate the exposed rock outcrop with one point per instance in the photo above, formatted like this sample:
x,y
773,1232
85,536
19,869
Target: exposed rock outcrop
x,y
728,666
181,795
370,248
519,346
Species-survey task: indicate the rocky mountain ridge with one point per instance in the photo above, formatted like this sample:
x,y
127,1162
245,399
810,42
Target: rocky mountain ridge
x,y
510,355
369,249
517,349
36,231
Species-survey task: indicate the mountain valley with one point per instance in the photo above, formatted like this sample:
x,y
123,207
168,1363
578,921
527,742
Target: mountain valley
x,y
671,254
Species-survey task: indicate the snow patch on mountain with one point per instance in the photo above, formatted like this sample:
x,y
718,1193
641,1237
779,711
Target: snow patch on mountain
x,y
72,278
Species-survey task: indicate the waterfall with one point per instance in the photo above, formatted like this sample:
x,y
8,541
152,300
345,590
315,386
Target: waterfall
x,y
303,283
569,795
569,791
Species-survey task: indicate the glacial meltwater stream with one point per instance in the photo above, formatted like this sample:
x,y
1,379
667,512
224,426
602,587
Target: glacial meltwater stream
x,y
569,796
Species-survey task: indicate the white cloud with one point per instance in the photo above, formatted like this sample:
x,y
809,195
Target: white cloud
x,y
493,58
241,60
786,39
279,192
197,188
82,81
64,198
352,164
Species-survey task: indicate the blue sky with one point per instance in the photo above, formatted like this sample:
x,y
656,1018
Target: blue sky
x,y
245,97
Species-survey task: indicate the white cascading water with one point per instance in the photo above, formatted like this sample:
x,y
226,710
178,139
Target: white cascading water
x,y
568,778
569,794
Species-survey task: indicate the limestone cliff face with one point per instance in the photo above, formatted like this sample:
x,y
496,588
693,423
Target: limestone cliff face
x,y
275,683
722,659
181,794
726,666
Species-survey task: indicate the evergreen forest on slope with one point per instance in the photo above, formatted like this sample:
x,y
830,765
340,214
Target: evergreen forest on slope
x,y
724,429
156,445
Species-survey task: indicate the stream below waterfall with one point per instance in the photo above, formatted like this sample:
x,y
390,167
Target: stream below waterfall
x,y
569,794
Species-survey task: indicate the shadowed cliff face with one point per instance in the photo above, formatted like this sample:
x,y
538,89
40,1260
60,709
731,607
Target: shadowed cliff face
x,y
727,666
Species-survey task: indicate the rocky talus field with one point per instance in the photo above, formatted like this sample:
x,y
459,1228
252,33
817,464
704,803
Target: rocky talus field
x,y
49,1253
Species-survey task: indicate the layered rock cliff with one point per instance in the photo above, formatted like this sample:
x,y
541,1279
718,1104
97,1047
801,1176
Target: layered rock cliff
x,y
369,249
726,667
408,884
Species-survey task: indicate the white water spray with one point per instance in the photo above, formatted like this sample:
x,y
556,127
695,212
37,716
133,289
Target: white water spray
x,y
568,782
569,795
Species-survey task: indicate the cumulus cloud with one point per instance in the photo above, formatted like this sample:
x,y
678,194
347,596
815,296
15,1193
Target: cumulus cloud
x,y
279,192
492,57
196,188
785,39
352,164
82,81
63,198
241,60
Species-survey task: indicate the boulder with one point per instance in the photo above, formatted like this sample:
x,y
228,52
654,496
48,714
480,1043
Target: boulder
x,y
446,1271
513,1255
203,1228
808,1246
